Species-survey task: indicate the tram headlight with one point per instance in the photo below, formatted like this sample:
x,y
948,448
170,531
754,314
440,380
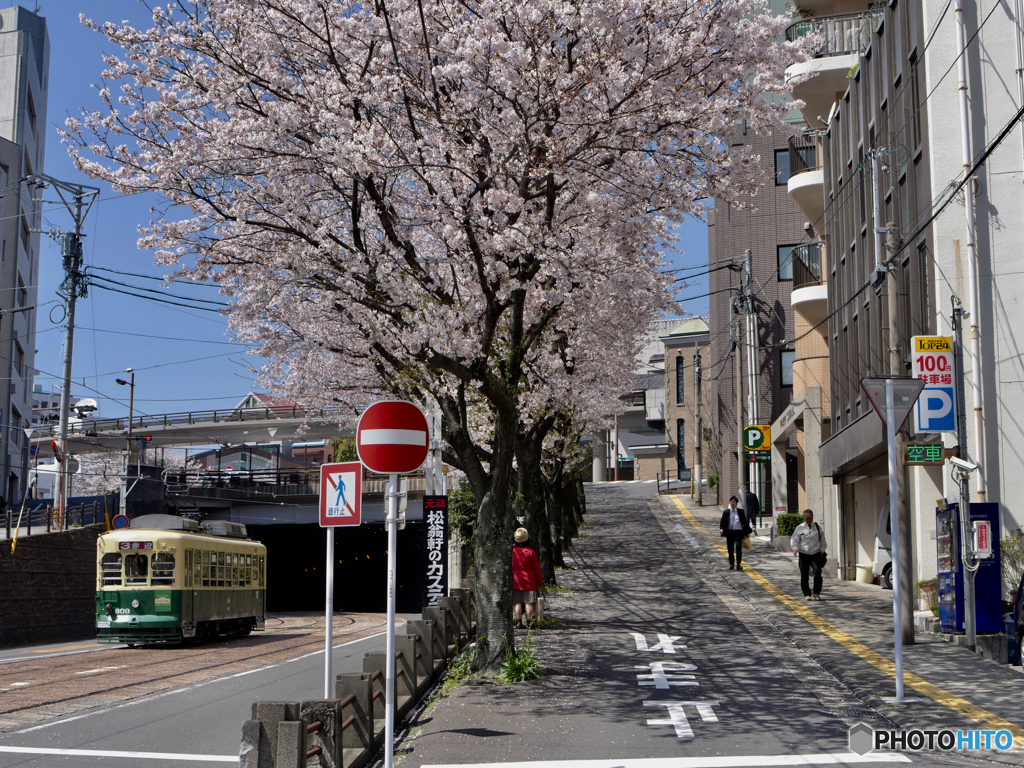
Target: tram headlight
x,y
135,603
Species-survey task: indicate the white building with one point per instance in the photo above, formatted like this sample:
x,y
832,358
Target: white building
x,y
24,65
995,97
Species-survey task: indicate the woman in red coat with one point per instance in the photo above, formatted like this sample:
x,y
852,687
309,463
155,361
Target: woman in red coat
x,y
526,578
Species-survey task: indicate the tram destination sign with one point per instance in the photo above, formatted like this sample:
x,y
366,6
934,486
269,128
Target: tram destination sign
x,y
132,546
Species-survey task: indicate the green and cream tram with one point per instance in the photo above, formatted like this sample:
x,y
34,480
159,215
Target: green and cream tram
x,y
166,579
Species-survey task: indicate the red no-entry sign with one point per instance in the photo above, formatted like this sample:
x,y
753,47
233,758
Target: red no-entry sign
x,y
392,437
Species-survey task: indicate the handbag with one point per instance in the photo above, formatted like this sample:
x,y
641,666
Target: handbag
x,y
822,559
747,544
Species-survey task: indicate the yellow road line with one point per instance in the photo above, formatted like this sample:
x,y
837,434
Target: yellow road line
x,y
875,659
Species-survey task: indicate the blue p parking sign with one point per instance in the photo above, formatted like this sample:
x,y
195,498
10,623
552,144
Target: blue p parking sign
x,y
933,363
934,410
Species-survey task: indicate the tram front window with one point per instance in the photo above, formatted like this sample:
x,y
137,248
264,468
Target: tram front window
x,y
163,568
112,569
136,569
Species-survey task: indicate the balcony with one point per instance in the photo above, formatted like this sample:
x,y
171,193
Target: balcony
x,y
810,293
842,39
806,183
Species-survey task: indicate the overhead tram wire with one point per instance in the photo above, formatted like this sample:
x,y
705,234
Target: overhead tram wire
x,y
159,293
153,298
151,277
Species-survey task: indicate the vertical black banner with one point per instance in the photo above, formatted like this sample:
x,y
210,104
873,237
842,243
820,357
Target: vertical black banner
x,y
435,531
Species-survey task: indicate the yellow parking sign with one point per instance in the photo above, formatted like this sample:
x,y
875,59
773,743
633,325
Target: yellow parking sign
x,y
758,437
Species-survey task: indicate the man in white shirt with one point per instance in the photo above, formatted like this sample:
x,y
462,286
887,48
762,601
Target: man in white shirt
x,y
808,542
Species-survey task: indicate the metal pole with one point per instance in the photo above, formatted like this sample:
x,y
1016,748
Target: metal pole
x,y
698,441
890,424
389,689
972,258
967,559
738,378
329,613
899,509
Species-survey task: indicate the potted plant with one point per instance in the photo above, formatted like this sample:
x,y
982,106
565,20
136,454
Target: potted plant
x,y
927,594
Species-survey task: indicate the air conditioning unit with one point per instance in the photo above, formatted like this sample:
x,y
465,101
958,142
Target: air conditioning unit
x,y
224,528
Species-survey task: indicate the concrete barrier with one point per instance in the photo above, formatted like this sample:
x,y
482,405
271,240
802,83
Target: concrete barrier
x,y
345,732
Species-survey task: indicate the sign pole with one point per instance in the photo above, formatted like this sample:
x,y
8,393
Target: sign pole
x,y
328,669
389,689
890,424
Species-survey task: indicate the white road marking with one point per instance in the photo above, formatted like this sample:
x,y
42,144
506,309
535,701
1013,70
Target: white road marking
x,y
663,674
101,753
97,671
730,761
677,717
135,702
14,684
54,654
392,437
665,643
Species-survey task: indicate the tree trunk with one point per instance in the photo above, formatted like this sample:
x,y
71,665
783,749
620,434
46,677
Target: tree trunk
x,y
492,532
531,498
555,513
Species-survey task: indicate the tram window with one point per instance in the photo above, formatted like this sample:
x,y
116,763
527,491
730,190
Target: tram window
x,y
234,570
163,568
262,572
206,568
197,572
136,569
112,569
221,569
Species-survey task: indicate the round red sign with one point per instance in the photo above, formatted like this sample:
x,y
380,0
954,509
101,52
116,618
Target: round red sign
x,y
392,437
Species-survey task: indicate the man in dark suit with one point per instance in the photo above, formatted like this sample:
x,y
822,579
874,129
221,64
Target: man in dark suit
x,y
734,528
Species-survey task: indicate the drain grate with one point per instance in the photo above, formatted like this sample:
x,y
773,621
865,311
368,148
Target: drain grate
x,y
859,713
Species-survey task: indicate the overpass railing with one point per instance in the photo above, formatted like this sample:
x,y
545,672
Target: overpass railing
x,y
140,423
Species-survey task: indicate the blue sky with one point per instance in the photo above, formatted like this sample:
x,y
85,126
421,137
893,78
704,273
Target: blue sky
x,y
182,358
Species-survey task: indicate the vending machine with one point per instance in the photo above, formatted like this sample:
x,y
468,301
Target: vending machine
x,y
987,579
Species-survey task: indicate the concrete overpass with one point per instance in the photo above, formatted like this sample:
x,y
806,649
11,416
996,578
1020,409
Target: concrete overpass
x,y
224,427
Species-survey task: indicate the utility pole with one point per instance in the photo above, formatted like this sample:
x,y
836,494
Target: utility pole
x,y
898,512
738,379
78,200
698,442
967,557
753,366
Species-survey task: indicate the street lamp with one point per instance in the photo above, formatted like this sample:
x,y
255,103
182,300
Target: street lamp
x,y
128,455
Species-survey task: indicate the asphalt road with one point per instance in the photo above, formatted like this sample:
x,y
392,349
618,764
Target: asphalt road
x,y
644,605
191,727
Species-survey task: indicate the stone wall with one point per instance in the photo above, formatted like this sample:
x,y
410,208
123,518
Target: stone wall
x,y
48,587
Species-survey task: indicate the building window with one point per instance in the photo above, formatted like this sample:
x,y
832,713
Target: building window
x,y
788,356
19,359
22,293
680,381
31,110
681,446
785,261
781,167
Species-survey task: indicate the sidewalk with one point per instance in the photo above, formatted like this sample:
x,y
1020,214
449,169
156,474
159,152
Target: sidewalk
x,y
646,582
850,633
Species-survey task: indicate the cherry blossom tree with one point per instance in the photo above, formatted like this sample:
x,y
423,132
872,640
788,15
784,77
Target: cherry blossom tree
x,y
434,196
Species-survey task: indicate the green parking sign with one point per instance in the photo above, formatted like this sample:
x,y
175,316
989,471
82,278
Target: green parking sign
x,y
758,437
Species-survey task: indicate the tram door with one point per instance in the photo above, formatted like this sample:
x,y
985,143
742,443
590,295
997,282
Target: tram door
x,y
188,592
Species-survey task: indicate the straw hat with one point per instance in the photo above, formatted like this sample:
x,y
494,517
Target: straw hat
x,y
521,535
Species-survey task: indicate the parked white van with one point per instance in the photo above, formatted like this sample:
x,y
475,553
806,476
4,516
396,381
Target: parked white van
x,y
882,565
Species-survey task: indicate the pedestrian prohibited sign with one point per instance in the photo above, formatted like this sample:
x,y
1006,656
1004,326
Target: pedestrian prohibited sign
x,y
935,410
341,494
758,437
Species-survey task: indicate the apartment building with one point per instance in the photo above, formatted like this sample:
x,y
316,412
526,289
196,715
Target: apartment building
x,y
773,227
24,66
